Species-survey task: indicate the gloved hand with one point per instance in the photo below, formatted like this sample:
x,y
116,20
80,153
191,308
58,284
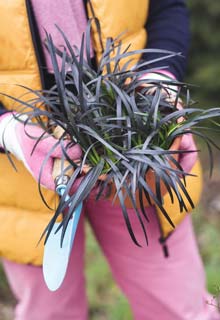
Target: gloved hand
x,y
186,160
169,90
20,141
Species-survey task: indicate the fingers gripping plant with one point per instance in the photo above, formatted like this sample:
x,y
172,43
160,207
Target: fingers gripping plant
x,y
126,134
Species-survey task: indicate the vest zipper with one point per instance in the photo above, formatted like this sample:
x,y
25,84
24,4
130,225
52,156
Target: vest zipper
x,y
36,41
162,240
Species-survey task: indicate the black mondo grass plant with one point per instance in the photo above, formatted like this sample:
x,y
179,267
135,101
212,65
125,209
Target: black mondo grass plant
x,y
125,132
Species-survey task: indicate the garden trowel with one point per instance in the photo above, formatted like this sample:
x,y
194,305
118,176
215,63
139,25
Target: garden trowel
x,y
56,256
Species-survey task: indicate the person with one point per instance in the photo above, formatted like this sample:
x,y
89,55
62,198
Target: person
x,y
156,288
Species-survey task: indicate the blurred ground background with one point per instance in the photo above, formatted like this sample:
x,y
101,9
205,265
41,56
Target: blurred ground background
x,y
106,302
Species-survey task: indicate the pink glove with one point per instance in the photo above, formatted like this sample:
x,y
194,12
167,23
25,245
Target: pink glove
x,y
14,137
188,160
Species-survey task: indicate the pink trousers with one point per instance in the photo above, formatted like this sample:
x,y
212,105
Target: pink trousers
x,y
157,288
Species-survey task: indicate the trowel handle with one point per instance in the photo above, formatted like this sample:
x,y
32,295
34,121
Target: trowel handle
x,y
60,175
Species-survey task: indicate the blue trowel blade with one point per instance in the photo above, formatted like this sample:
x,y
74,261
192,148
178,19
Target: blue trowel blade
x,y
56,258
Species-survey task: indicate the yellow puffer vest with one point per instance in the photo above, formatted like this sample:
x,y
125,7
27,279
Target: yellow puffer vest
x,y
23,216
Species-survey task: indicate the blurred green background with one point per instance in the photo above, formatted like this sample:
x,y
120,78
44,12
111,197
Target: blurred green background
x,y
204,66
106,301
